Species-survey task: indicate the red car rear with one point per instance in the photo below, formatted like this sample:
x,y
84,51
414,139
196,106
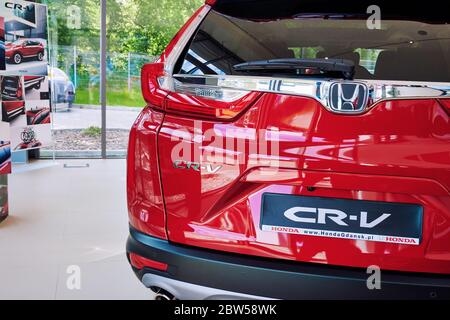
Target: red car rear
x,y
287,146
11,88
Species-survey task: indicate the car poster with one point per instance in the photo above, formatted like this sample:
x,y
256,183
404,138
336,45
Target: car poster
x,y
2,45
25,32
5,168
5,149
25,95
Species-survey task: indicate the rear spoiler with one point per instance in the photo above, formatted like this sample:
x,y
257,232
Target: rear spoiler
x,y
390,10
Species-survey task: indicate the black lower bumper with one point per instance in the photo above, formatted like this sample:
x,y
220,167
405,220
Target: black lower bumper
x,y
279,279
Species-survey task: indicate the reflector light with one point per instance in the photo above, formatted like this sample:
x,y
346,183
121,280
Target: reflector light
x,y
140,263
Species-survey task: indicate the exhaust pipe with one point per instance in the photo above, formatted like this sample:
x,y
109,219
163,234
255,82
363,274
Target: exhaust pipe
x,y
162,295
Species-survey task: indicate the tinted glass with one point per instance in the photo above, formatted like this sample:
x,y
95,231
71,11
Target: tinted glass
x,y
400,50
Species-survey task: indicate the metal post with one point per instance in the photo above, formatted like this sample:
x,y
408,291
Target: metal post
x,y
129,71
103,44
75,77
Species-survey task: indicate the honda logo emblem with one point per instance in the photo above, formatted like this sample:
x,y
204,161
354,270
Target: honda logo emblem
x,y
348,97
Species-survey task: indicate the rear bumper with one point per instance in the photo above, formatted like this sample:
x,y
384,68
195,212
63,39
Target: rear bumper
x,y
195,273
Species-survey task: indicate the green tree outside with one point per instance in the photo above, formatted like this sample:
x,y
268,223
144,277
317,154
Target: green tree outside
x,y
142,28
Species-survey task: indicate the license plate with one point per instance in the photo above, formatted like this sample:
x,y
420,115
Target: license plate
x,y
341,218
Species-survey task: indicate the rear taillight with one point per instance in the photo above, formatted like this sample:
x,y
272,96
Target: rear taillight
x,y
162,91
153,76
151,89
203,101
208,101
140,263
19,90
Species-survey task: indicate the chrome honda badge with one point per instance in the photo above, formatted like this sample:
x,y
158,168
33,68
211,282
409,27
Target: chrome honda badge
x,y
348,97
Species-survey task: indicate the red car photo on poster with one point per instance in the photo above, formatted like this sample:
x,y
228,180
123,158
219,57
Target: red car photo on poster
x,y
12,110
11,88
5,157
22,49
2,44
33,82
4,208
38,116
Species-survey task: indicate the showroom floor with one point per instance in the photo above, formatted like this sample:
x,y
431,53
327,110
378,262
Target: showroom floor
x,y
64,217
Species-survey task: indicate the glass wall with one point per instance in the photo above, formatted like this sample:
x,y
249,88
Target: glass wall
x,y
137,32
74,38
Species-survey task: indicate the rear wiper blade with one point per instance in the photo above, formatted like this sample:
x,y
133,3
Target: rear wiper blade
x,y
341,66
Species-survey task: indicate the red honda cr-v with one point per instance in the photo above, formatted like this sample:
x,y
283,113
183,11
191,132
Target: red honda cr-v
x,y
22,49
293,149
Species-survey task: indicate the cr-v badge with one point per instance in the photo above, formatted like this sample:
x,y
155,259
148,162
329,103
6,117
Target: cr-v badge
x,y
337,216
196,166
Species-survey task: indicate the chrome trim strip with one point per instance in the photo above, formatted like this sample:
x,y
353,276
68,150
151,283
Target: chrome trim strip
x,y
172,58
188,291
318,89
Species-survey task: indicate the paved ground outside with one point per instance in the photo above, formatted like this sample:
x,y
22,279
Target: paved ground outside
x,y
81,118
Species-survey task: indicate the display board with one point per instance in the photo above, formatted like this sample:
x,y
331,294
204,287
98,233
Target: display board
x,y
25,95
3,197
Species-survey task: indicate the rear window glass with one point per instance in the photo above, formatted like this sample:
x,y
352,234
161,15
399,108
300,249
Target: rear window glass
x,y
401,50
